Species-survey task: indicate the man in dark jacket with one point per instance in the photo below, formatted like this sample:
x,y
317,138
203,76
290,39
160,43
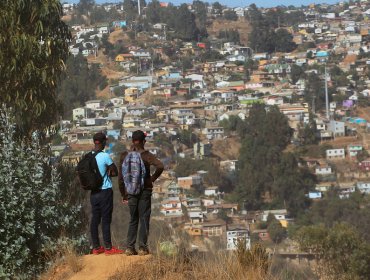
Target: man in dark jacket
x,y
140,205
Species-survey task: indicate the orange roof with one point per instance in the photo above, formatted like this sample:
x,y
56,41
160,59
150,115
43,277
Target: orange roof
x,y
350,59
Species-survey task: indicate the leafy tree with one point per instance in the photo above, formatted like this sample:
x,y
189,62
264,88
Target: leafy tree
x,y
283,41
276,231
84,7
186,63
222,214
187,137
354,211
34,46
263,36
263,170
230,15
291,184
185,26
40,208
338,77
79,83
217,8
307,132
339,251
153,12
235,124
296,73
210,55
230,36
119,91
161,140
362,155
131,9
200,10
313,93
99,14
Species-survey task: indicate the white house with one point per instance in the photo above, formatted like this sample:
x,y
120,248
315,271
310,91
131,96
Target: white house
x,y
103,30
354,149
333,154
260,56
280,214
196,216
211,191
208,201
225,116
234,235
315,195
117,101
274,100
80,113
197,80
141,53
213,132
94,104
171,207
74,51
363,187
237,57
228,165
323,170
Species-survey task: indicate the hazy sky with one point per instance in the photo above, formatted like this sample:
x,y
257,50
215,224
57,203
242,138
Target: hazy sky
x,y
234,3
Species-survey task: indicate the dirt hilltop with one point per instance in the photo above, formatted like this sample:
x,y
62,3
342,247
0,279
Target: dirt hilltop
x,y
94,267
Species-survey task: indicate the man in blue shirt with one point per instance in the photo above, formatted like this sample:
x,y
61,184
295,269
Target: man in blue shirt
x,y
102,200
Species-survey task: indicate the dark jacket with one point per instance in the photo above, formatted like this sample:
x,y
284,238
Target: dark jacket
x,y
149,160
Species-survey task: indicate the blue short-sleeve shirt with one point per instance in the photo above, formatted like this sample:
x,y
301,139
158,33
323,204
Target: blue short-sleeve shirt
x,y
103,160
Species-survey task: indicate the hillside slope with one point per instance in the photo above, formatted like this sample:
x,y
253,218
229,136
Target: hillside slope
x,y
242,25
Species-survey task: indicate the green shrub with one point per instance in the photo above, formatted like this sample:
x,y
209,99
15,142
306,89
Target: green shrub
x,y
36,215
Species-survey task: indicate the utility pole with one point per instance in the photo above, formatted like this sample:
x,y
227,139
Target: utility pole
x,y
138,7
326,95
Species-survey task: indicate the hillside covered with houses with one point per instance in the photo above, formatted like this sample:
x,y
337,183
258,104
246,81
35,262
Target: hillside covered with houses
x,y
220,105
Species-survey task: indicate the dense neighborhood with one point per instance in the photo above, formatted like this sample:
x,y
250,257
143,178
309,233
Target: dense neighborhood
x,y
185,94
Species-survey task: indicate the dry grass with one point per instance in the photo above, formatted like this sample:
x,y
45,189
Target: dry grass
x,y
65,264
191,266
241,25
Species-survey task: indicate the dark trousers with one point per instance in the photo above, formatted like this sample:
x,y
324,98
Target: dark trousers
x,y
102,209
140,210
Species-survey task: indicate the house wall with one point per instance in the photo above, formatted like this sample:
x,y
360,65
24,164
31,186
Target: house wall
x,y
334,154
234,236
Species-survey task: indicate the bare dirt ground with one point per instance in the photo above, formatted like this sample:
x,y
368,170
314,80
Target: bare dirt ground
x,y
226,148
241,25
118,35
342,142
364,113
97,267
108,69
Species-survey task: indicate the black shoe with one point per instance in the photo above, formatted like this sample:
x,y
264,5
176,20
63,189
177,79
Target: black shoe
x,y
130,252
143,251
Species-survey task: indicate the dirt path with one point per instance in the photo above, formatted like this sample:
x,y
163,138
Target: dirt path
x,y
96,267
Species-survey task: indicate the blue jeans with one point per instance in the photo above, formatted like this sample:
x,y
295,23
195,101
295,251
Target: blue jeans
x,y
140,210
102,209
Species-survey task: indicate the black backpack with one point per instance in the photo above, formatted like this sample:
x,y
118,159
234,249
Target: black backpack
x,y
88,172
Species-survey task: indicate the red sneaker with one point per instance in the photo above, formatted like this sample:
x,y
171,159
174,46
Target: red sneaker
x,y
114,251
98,251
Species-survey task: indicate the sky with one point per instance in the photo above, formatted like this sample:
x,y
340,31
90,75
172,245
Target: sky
x,y
235,3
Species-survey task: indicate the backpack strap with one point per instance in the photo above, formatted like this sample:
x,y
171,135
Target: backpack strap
x,y
106,172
